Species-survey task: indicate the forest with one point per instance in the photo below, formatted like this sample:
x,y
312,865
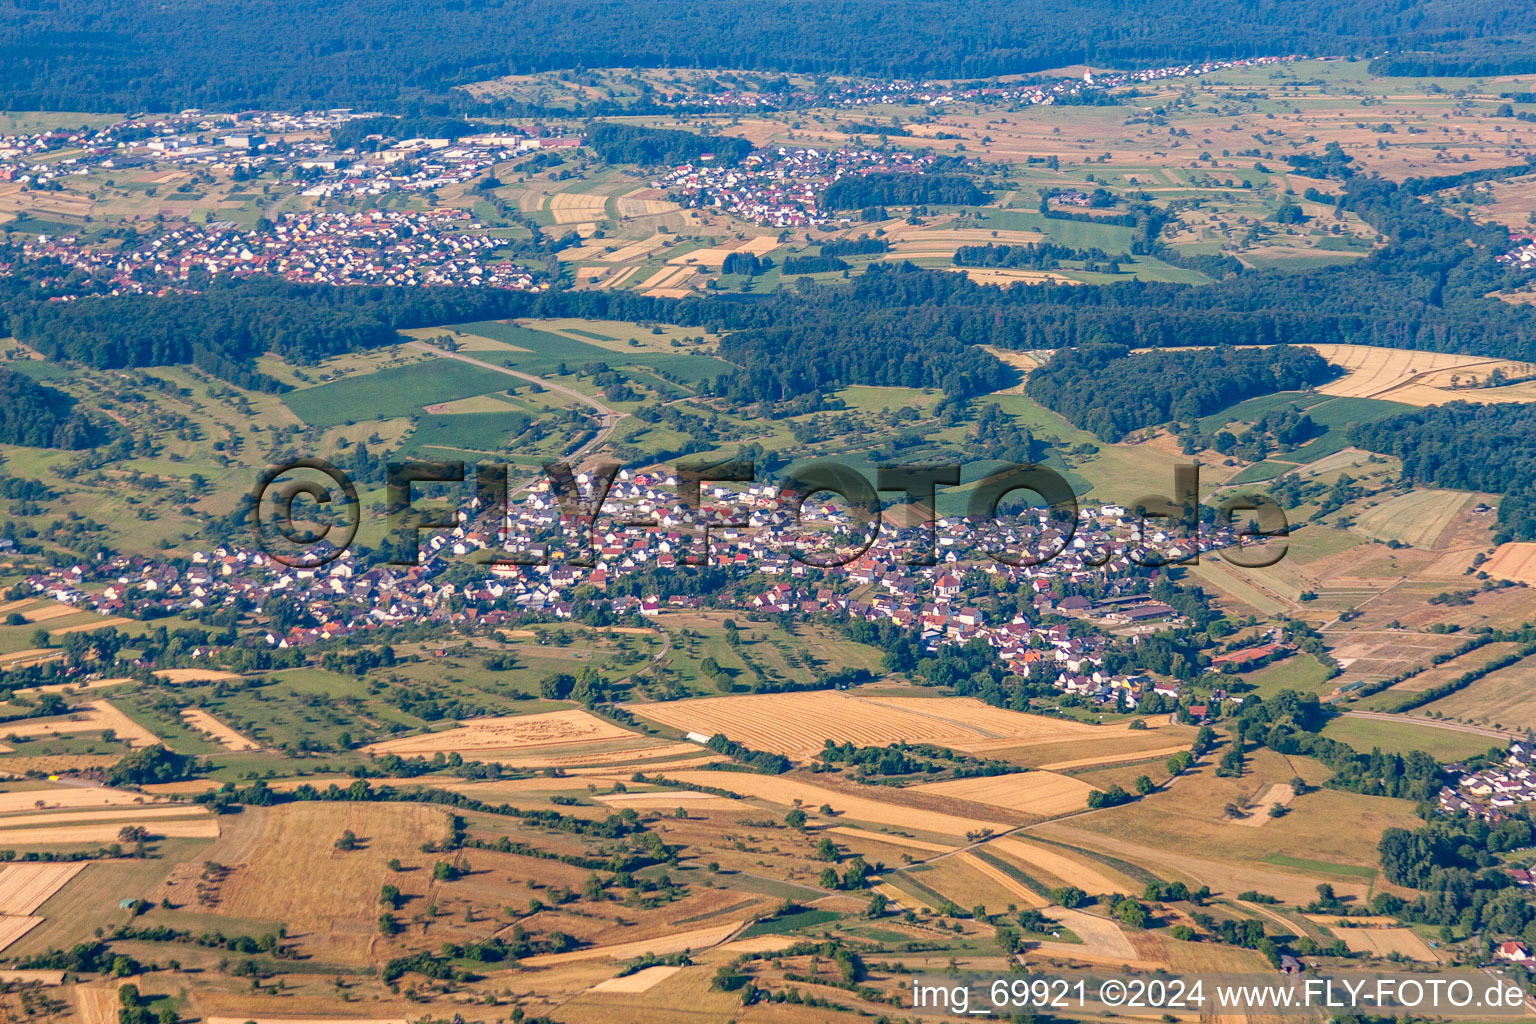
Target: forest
x,y
401,56
41,417
1109,390
1029,256
634,144
1467,447
862,192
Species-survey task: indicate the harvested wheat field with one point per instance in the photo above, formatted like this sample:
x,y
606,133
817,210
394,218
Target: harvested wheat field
x,y
1383,942
48,610
98,1004
701,938
1072,869
1027,897
1039,793
97,716
670,798
488,737
1418,378
89,627
305,1020
715,257
294,873
54,764
1221,876
93,815
886,837
1135,755
226,737
616,754
95,823
1103,941
13,928
785,791
797,724
1513,561
641,981
95,684
195,675
25,887
204,827
66,796
574,207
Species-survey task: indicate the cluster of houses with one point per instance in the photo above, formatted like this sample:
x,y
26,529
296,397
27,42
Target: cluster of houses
x,y
1523,257
781,186
947,602
378,246
257,141
1491,793
1039,92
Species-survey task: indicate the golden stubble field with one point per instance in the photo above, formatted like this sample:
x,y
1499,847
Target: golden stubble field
x,y
328,898
798,724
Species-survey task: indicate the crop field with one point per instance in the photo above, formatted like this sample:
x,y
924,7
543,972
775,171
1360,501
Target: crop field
x,y
1381,942
1447,671
26,887
1039,793
469,432
97,716
1053,865
1505,699
295,874
1515,560
797,724
1414,377
867,807
500,738
1190,819
1417,518
89,825
544,352
228,738
1405,735
396,392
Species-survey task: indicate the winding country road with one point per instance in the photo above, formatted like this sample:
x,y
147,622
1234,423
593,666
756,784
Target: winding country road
x,y
610,417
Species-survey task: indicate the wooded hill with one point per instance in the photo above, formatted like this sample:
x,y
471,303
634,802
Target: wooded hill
x,y
405,56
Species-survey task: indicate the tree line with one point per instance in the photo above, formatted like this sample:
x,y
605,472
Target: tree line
x,y
406,57
1466,447
1111,391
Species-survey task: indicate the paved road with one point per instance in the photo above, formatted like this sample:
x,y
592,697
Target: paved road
x,y
609,417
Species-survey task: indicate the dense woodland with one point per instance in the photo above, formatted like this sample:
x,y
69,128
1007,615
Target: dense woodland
x,y
868,191
404,55
1029,256
41,417
1111,391
1467,447
634,144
